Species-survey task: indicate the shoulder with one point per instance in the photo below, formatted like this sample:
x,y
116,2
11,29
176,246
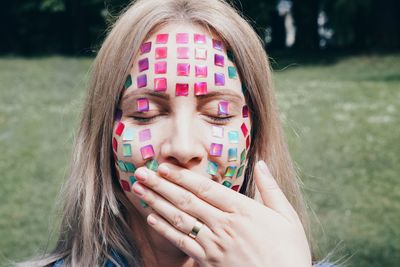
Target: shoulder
x,y
58,263
118,258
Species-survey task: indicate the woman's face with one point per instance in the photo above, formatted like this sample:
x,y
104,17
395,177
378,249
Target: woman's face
x,y
183,104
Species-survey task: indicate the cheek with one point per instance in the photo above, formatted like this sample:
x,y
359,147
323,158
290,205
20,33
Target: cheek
x,y
228,152
133,147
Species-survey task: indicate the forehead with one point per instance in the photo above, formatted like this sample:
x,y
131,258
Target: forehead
x,y
184,60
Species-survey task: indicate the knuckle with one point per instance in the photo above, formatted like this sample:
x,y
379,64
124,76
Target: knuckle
x,y
226,224
185,200
181,243
179,175
215,255
228,220
203,188
154,182
149,198
177,221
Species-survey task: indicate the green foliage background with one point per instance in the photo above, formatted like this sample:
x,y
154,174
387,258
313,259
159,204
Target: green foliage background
x,y
341,120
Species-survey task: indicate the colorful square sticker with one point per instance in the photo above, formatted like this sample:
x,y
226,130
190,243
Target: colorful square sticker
x,y
162,38
144,135
233,137
217,131
230,171
212,168
232,154
200,88
216,149
143,64
182,89
141,81
147,152
182,38
126,150
200,53
145,48
161,52
160,84
142,104
182,52
129,134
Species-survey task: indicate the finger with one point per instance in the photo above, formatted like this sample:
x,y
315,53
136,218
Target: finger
x,y
179,196
177,218
213,193
270,192
182,241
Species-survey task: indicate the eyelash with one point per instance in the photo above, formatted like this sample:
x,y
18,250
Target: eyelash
x,y
144,120
218,120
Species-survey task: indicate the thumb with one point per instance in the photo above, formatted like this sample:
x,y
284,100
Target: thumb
x,y
270,192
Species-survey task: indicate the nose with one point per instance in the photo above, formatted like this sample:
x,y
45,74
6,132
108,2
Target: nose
x,y
183,146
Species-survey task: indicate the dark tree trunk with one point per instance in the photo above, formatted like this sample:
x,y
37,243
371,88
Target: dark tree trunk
x,y
305,13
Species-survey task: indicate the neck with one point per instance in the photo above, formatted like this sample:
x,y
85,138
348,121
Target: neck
x,y
156,249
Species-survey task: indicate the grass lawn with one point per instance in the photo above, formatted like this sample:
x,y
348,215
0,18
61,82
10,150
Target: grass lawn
x,y
341,120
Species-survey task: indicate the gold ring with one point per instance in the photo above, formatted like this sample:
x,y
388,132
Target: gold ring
x,y
195,230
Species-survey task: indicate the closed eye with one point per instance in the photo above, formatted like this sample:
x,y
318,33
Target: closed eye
x,y
219,120
145,119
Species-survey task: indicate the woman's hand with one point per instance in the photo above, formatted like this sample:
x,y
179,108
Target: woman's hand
x,y
237,230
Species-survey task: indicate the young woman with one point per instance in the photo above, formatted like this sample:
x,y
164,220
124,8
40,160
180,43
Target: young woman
x,y
180,158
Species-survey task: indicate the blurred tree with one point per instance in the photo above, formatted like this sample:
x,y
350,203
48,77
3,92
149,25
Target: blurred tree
x,y
278,31
305,14
77,26
361,24
262,14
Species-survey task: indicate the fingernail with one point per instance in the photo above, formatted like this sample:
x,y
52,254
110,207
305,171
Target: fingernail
x,y
151,220
263,166
138,189
163,169
141,174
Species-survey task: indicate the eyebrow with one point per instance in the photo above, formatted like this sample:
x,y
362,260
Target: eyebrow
x,y
163,99
159,97
226,94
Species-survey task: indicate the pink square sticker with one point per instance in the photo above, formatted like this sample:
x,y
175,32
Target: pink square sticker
x,y
162,38
182,89
144,135
216,149
182,38
199,38
182,52
160,67
200,53
147,152
182,69
142,104
200,88
161,52
145,48
200,71
143,64
160,84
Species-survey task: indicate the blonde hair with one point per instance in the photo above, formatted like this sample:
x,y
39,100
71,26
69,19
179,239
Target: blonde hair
x,y
95,211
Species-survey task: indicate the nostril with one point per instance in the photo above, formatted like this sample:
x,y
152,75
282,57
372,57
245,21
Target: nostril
x,y
187,164
172,160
